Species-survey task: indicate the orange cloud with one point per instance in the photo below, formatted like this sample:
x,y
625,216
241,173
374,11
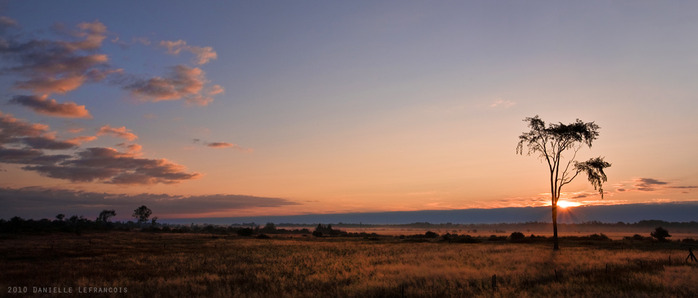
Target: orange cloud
x,y
121,132
82,139
43,105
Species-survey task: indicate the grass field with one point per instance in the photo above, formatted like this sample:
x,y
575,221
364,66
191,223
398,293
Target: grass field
x,y
190,265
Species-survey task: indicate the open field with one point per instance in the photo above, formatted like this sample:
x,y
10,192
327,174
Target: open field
x,y
185,265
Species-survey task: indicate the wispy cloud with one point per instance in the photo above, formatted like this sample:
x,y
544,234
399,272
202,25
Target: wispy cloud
x,y
648,184
222,145
47,202
120,132
651,185
501,103
202,54
44,105
6,22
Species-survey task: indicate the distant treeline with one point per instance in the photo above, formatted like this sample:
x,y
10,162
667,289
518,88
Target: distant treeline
x,y
79,224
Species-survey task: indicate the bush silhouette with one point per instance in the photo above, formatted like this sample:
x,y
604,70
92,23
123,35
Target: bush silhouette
x,y
430,234
517,237
660,234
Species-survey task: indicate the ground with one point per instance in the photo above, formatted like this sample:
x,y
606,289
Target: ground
x,y
190,265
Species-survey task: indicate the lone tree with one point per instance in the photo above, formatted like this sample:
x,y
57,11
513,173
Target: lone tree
x,y
105,215
142,214
550,142
660,234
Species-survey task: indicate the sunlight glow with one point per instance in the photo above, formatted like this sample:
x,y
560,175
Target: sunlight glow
x,y
565,204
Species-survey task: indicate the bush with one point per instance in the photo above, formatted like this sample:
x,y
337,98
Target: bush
x,y
517,237
430,234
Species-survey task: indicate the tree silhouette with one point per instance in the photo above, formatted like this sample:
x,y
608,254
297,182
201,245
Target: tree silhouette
x,y
660,234
105,215
142,214
550,142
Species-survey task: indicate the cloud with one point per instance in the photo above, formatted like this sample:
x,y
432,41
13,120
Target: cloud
x,y
221,145
47,143
648,184
206,96
120,132
181,82
99,164
29,156
107,165
202,54
131,148
500,103
43,105
81,139
34,136
7,22
12,128
57,66
47,202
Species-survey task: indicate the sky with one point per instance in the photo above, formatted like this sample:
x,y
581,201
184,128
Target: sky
x,y
247,108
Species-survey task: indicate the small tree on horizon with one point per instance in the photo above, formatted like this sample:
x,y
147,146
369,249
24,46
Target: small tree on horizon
x,y
105,215
550,142
141,214
660,234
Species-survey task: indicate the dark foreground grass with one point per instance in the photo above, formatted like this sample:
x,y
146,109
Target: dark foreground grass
x,y
195,265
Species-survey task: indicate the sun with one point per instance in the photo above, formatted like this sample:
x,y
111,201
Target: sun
x,y
566,204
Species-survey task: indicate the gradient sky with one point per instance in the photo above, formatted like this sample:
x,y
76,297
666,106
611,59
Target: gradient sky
x,y
248,108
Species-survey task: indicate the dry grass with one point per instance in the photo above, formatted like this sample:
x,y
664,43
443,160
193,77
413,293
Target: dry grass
x,y
170,265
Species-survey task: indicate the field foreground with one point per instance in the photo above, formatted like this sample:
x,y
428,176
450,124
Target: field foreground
x,y
186,265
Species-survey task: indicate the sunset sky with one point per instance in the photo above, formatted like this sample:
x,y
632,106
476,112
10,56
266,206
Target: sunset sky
x,y
242,108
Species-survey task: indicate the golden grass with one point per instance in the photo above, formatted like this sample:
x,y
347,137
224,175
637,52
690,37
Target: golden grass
x,y
171,265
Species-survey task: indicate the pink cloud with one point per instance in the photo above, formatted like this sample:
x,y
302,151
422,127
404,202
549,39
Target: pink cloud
x,y
202,54
182,82
58,66
121,132
43,105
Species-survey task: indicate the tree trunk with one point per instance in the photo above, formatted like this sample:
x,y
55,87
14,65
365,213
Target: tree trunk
x,y
555,243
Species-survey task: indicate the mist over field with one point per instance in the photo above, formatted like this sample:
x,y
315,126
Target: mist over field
x,y
630,213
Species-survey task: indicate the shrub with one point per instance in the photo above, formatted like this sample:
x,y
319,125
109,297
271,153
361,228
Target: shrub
x,y
430,234
517,237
